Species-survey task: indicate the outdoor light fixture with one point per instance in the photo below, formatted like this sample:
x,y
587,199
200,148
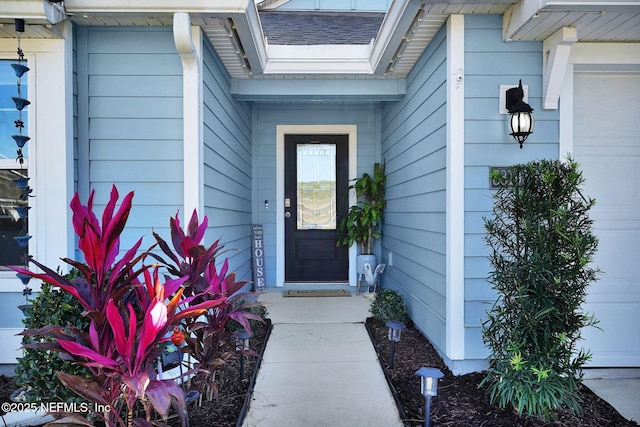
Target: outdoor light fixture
x,y
19,25
242,344
520,114
395,329
429,387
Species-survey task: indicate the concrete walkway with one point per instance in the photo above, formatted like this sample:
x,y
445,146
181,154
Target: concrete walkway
x,y
618,386
319,367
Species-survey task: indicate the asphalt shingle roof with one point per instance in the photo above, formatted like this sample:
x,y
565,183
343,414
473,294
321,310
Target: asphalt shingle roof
x,y
313,28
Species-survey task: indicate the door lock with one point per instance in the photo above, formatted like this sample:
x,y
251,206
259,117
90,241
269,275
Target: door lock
x,y
287,214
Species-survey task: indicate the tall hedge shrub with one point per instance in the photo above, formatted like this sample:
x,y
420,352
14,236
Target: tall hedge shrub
x,y
542,246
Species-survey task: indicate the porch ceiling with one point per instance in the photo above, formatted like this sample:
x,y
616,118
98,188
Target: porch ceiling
x,y
234,29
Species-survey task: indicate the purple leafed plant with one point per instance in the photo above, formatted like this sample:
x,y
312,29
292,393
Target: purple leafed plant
x,y
205,334
131,312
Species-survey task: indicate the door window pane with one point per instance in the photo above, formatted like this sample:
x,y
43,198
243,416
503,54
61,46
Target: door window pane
x,y
316,183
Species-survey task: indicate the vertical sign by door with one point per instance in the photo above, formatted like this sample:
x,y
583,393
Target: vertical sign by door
x,y
257,251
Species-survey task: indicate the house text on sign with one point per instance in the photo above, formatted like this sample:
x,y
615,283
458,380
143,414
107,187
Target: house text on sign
x,y
257,246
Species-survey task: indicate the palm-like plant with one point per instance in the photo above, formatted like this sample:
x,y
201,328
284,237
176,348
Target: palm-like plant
x,y
362,224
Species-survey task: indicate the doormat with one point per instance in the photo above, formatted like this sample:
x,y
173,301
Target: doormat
x,y
316,293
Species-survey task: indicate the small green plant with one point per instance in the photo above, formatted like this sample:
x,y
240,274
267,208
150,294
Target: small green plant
x,y
36,369
542,245
389,305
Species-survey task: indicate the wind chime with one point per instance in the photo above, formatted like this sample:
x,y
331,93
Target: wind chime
x,y
22,180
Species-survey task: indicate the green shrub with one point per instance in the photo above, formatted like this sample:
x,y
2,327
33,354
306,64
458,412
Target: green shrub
x,y
389,305
36,370
542,245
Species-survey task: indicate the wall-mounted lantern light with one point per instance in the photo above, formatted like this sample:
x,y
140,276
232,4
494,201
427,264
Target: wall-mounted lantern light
x,y
520,114
428,387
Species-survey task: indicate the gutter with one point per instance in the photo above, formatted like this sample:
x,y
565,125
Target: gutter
x,y
33,11
193,149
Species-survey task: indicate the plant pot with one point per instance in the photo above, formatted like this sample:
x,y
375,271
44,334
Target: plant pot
x,y
361,260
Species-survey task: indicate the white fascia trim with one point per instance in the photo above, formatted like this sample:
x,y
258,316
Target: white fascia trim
x,y
589,5
394,26
347,59
157,6
33,11
281,131
334,59
515,18
598,54
323,59
455,333
318,90
188,41
605,53
243,13
518,15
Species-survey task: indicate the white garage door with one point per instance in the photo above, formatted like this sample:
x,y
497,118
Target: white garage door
x,y
607,145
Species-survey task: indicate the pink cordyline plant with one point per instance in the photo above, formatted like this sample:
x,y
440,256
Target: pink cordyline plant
x,y
206,334
129,318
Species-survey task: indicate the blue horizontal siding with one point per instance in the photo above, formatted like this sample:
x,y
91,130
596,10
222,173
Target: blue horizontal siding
x,y
161,86
133,149
227,165
130,79
130,107
489,63
414,228
134,64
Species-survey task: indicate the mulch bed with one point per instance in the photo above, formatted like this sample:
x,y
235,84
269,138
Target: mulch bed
x,y
223,411
226,409
460,403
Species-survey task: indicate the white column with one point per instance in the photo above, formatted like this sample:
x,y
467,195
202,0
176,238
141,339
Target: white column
x,y
455,188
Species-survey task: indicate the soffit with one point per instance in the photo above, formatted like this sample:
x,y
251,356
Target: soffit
x,y
226,25
595,20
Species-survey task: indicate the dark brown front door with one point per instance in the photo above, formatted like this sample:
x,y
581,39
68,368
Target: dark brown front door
x,y
316,178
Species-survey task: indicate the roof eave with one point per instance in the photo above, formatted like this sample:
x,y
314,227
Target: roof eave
x,y
111,7
35,11
521,13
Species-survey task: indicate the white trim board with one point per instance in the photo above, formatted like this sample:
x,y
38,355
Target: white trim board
x,y
587,57
281,131
455,330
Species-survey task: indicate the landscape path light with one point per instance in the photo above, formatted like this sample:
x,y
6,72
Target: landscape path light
x,y
395,329
242,344
428,387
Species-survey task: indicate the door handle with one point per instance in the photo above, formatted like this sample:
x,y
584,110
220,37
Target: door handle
x,y
287,214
